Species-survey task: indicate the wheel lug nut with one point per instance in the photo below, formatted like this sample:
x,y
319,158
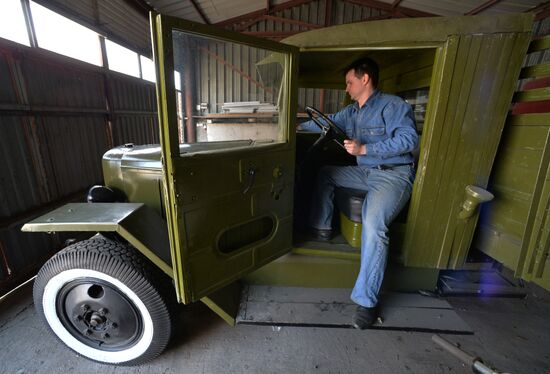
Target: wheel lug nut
x,y
105,336
102,311
114,325
84,307
88,332
77,318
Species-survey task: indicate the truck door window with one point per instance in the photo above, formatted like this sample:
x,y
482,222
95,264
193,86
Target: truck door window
x,y
229,92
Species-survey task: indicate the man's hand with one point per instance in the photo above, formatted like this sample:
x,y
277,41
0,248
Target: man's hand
x,y
355,148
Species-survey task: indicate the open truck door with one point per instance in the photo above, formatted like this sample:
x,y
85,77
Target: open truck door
x,y
228,191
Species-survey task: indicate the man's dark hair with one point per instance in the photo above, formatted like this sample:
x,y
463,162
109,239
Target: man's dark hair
x,y
365,66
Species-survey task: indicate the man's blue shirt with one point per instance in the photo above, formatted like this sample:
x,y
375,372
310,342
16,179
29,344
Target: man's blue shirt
x,y
385,124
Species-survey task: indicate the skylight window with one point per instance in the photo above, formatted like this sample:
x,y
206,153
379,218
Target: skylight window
x,y
147,69
61,35
12,22
122,59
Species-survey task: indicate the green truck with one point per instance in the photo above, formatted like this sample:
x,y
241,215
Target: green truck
x,y
218,202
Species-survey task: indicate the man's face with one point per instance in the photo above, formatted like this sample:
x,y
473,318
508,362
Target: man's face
x,y
356,87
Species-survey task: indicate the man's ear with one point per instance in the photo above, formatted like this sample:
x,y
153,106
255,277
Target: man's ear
x,y
366,78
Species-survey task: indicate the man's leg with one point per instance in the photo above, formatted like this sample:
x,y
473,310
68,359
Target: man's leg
x,y
387,192
330,177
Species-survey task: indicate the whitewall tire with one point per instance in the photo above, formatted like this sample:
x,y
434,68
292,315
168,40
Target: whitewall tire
x,y
106,302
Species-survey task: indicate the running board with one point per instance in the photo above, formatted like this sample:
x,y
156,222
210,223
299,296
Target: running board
x,y
332,308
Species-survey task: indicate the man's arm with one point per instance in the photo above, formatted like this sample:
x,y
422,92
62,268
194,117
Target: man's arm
x,y
339,118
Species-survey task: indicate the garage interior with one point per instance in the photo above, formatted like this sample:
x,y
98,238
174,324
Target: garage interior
x,y
71,93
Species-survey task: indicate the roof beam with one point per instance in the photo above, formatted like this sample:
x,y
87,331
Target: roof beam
x,y
261,12
396,3
389,8
252,16
246,25
542,15
201,13
277,19
482,7
271,34
539,8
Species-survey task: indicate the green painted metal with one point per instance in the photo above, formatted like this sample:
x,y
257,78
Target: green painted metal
x,y
539,44
135,222
514,228
344,255
408,33
137,172
532,119
297,270
536,71
535,243
208,186
225,302
351,231
463,131
533,95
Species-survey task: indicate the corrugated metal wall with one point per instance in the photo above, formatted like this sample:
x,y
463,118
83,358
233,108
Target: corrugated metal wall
x,y
134,110
57,118
226,72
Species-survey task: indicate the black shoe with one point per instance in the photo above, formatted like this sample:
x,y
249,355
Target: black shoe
x,y
321,235
364,317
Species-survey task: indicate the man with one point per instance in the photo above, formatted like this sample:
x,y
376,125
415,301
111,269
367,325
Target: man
x,y
382,135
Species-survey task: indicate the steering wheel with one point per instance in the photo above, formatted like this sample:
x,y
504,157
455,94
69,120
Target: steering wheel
x,y
328,128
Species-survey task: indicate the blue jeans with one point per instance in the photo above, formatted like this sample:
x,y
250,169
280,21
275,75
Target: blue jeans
x,y
387,192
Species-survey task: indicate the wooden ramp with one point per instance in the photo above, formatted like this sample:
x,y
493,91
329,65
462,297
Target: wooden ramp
x,y
331,307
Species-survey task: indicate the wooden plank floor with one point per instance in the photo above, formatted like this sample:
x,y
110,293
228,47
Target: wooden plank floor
x,y
331,307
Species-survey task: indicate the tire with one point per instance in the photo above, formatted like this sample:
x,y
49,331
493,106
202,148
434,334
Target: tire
x,y
105,301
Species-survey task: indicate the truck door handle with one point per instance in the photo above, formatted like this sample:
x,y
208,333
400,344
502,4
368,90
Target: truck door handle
x,y
474,196
251,178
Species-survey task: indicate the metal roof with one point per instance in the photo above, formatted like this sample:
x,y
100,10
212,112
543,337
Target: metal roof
x,y
460,7
220,10
127,21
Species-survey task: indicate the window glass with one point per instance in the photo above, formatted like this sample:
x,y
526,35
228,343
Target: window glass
x,y
234,92
61,35
12,22
328,101
122,59
418,99
177,80
147,69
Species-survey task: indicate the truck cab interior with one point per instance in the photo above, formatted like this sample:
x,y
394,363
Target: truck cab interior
x,y
403,72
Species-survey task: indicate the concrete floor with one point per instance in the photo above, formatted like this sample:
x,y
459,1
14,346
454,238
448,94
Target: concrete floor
x,y
511,335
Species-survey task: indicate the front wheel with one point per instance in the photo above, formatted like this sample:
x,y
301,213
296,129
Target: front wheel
x,y
106,302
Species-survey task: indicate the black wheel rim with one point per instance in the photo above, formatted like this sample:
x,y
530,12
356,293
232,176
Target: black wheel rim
x,y
99,315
